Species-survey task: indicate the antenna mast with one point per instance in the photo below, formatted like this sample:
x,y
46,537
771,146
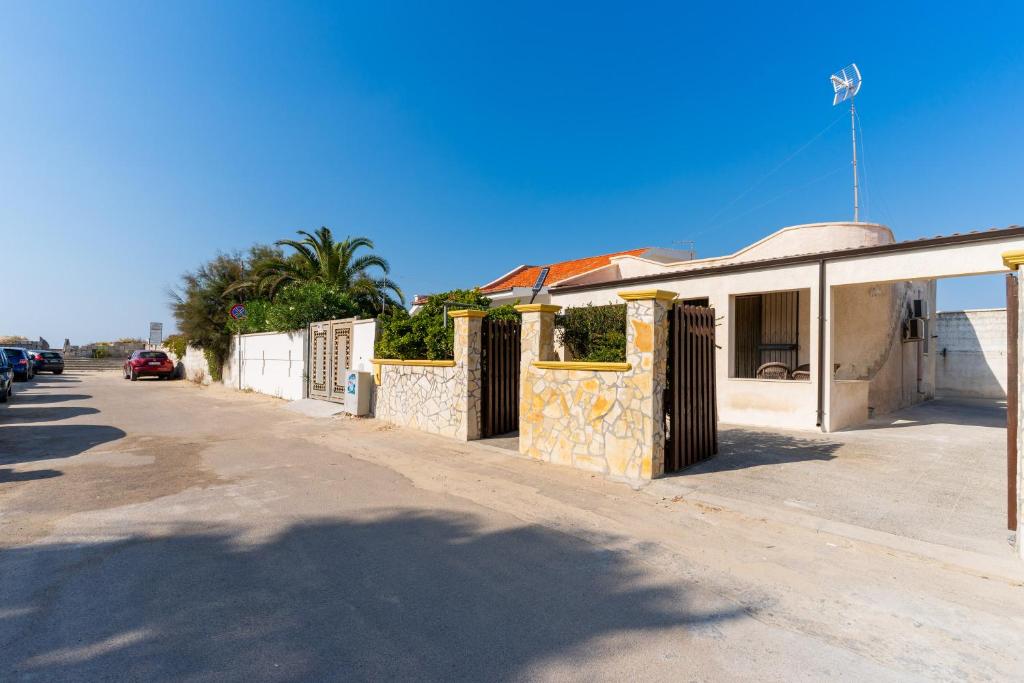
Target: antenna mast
x,y
853,134
846,84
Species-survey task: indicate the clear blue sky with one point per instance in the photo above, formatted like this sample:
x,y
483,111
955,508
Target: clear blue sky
x,y
138,139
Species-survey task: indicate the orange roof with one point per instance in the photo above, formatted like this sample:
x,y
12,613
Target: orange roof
x,y
526,276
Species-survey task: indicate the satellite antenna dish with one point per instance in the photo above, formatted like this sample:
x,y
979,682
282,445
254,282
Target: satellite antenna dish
x,y
846,84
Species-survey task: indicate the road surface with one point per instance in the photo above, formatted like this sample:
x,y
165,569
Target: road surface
x,y
162,531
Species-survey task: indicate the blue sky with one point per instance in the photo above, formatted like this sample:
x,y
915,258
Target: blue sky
x,y
138,139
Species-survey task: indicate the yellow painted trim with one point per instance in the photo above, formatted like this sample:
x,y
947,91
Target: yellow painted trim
x,y
415,363
581,365
538,308
643,294
1013,259
466,313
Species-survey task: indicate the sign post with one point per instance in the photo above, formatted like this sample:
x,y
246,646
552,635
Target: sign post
x,y
156,334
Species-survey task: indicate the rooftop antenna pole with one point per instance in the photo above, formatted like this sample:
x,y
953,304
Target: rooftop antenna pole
x,y
846,84
853,134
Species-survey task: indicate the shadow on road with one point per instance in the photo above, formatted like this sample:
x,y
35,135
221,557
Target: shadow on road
x,y
412,596
23,443
17,415
951,411
740,448
7,475
21,398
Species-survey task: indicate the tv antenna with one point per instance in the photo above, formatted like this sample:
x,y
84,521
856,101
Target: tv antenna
x,y
846,84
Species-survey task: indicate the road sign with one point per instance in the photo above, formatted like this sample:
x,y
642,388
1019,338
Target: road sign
x,y
238,311
156,334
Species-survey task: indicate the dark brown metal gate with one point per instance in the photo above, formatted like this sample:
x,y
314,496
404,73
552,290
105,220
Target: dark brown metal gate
x,y
1012,385
501,357
691,432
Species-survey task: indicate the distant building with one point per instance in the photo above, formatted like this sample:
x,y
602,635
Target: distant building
x,y
15,340
121,348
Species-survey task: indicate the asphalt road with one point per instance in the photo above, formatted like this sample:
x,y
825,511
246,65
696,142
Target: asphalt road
x,y
159,531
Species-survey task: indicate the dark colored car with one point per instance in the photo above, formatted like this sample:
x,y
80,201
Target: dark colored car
x,y
33,355
48,361
151,363
6,377
20,361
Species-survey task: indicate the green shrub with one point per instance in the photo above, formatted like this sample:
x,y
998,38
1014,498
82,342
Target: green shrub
x,y
178,345
425,336
255,320
296,306
594,333
215,364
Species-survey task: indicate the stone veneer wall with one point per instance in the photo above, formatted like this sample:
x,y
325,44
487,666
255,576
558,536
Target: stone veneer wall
x,y
438,397
599,417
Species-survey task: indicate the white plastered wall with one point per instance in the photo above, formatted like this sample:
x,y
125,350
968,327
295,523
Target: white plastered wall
x,y
778,403
364,337
271,363
793,404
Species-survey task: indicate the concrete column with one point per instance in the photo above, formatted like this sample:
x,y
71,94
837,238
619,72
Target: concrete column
x,y
647,354
537,342
468,371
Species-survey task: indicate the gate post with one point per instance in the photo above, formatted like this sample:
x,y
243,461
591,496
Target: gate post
x,y
1015,473
469,370
647,353
537,342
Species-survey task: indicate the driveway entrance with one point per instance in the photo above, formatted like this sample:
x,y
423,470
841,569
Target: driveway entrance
x,y
934,472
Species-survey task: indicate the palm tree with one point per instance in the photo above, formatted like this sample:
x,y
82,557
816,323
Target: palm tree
x,y
319,258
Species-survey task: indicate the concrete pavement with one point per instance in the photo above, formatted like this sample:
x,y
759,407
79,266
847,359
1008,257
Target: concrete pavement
x,y
162,531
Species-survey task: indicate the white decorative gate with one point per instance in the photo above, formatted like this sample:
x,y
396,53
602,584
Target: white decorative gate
x,y
330,345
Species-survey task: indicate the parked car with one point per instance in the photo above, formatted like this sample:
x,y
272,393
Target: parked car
x,y
19,360
33,355
148,363
6,377
49,361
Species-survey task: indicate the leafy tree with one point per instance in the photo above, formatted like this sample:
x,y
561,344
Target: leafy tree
x,y
177,344
298,305
425,336
319,258
594,333
206,295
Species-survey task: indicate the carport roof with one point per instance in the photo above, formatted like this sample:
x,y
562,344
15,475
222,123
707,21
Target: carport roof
x,y
811,257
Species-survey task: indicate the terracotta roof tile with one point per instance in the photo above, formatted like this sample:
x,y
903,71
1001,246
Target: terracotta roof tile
x,y
526,276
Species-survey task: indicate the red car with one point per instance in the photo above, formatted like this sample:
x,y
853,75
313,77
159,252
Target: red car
x,y
151,363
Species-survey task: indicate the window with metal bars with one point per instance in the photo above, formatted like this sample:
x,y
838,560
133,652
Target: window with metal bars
x,y
767,336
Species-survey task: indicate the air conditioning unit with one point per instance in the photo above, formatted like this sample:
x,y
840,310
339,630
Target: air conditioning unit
x,y
920,307
914,330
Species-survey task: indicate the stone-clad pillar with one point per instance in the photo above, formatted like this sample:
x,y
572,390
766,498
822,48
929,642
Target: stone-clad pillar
x,y
468,371
537,343
647,354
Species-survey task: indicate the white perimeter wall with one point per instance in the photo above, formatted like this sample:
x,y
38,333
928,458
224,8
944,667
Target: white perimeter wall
x,y
971,348
364,337
272,363
194,365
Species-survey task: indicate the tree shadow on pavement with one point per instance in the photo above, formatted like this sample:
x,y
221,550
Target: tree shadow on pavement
x,y
56,379
19,415
26,443
410,596
22,398
7,475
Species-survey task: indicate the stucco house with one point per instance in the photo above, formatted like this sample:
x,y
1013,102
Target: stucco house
x,y
819,325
